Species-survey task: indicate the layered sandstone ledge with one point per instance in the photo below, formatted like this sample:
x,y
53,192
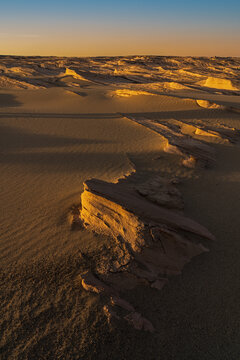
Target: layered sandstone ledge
x,y
152,239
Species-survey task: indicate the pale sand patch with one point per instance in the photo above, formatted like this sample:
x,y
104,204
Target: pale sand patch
x,y
175,86
129,92
208,105
219,83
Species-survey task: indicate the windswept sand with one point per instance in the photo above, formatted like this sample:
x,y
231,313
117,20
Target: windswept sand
x,y
63,121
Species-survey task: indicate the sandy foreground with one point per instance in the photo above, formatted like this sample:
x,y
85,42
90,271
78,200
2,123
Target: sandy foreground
x,y
64,121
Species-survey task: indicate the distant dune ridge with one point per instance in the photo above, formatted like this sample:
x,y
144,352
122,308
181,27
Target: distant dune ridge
x,y
115,173
216,73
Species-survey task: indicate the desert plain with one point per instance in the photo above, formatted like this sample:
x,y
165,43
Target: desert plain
x,y
120,205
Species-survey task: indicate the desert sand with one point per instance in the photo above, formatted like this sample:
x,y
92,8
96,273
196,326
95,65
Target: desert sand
x,y
120,183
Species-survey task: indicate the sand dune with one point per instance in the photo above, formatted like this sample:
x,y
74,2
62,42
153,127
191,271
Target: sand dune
x,y
88,267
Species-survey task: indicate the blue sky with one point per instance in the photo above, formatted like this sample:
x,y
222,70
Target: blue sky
x,y
124,27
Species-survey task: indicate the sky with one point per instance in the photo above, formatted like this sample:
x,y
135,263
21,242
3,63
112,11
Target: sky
x,y
126,27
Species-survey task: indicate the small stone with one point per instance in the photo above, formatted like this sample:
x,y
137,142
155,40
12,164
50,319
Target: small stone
x,y
189,162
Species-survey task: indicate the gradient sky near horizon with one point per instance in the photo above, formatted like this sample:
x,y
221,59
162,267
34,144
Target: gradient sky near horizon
x,y
126,27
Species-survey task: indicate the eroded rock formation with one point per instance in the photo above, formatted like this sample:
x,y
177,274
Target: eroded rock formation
x,y
150,237
189,140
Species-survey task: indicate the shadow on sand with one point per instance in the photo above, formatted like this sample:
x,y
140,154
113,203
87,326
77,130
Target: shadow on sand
x,y
14,138
9,100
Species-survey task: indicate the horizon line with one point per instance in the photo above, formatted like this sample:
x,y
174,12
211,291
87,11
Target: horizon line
x,y
115,56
